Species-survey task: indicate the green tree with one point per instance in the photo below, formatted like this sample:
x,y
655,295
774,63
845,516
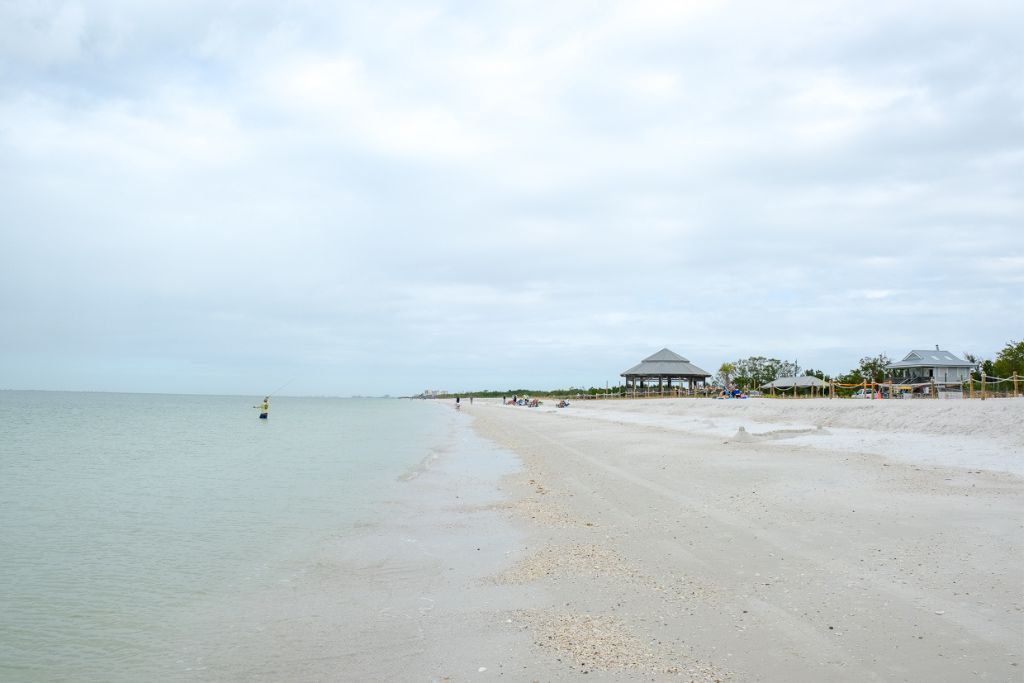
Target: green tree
x,y
750,372
1009,360
852,377
873,368
725,373
781,368
753,372
820,374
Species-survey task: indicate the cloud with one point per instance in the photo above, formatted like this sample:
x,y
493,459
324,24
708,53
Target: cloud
x,y
387,197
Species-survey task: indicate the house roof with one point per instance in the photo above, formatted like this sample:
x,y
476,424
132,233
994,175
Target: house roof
x,y
930,358
790,382
666,363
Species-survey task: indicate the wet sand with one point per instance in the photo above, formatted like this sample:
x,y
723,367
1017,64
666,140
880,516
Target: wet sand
x,y
841,541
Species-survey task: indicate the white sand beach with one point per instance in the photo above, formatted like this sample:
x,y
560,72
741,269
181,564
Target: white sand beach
x,y
764,540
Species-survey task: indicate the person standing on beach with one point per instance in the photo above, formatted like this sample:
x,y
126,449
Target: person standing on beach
x,y
264,407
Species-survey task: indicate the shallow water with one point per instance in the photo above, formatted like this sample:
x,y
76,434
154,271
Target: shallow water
x,y
132,522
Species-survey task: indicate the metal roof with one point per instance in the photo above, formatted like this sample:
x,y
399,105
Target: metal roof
x,y
790,382
666,363
665,355
930,358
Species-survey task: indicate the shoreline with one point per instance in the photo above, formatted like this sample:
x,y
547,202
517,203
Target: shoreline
x,y
816,543
405,595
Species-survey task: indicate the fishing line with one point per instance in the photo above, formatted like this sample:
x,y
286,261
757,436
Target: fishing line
x,y
272,393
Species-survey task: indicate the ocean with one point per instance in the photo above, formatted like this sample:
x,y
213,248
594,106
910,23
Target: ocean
x,y
138,529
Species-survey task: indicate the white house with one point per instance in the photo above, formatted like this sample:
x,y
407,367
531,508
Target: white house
x,y
931,365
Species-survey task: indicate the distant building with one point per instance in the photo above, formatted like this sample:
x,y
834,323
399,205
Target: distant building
x,y
919,367
664,372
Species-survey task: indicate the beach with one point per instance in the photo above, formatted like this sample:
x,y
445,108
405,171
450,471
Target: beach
x,y
762,540
665,540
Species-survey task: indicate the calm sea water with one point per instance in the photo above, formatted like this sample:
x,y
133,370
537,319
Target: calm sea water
x,y
127,520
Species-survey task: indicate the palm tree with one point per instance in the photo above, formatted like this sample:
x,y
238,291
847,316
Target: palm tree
x,y
725,373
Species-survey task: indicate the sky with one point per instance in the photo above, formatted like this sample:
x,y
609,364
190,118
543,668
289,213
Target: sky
x,y
351,198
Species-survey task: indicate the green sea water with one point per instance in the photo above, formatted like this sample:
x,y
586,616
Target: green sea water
x,y
130,522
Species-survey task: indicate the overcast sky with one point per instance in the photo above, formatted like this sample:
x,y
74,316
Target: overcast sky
x,y
368,198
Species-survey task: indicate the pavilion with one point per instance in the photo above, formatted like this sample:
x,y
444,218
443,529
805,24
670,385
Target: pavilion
x,y
669,370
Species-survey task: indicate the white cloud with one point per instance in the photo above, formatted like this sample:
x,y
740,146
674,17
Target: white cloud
x,y
42,33
557,184
875,293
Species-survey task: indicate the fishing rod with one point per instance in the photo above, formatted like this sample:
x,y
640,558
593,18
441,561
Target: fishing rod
x,y
272,393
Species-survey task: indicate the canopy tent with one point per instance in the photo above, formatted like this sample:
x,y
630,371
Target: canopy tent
x,y
783,383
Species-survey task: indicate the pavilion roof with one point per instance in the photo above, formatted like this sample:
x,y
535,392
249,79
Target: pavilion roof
x,y
666,363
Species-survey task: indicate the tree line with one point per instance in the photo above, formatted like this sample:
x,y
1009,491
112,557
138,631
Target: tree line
x,y
1008,361
756,371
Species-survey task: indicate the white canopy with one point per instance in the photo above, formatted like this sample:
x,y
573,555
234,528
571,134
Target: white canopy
x,y
790,382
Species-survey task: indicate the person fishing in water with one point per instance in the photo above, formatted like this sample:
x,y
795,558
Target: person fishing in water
x,y
265,406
